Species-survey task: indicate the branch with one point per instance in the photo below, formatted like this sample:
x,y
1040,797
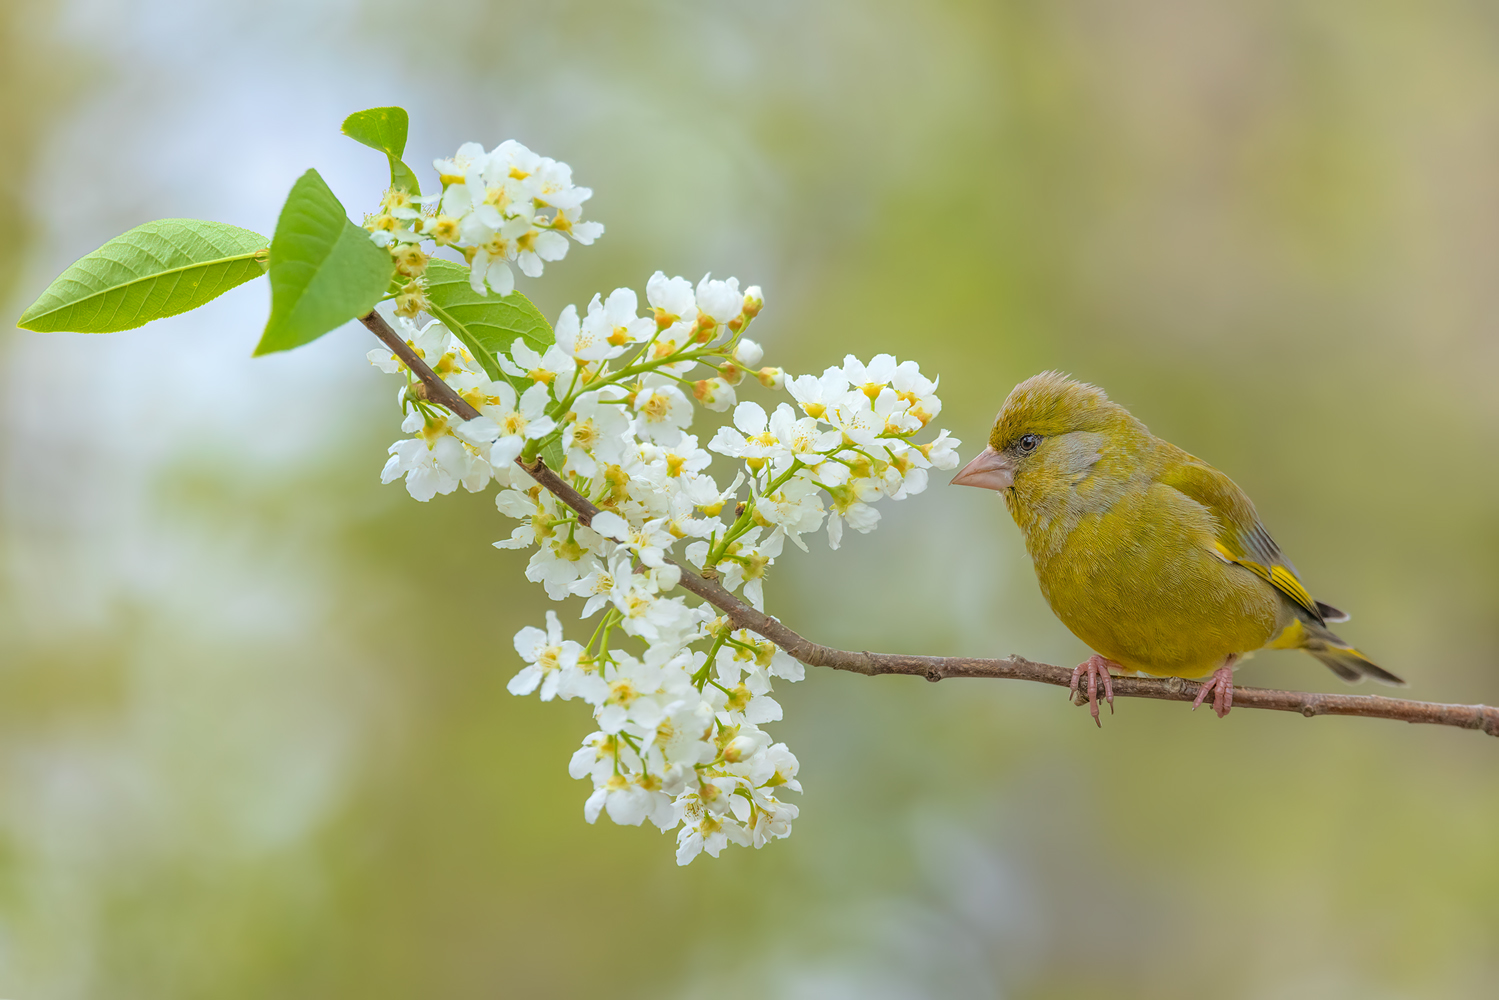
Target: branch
x,y
936,668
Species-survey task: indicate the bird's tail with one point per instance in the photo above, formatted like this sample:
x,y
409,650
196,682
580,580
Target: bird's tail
x,y
1342,659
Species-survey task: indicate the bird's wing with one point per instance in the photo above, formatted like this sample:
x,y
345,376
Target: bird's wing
x,y
1241,538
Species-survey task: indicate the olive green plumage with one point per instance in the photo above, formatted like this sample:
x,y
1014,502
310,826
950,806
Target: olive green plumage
x,y
1149,555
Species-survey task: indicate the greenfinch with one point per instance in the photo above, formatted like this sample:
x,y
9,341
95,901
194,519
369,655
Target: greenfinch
x,y
1149,555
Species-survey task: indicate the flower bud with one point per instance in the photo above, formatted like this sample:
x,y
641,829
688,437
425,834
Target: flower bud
x,y
731,373
739,748
772,378
753,301
744,746
748,353
707,328
714,393
667,577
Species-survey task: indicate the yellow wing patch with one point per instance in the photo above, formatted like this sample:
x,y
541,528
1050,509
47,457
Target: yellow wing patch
x,y
1278,577
1285,581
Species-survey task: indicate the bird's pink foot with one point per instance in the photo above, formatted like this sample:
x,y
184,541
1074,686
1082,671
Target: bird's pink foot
x,y
1221,684
1095,669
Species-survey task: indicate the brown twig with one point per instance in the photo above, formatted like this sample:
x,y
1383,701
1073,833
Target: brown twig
x,y
936,668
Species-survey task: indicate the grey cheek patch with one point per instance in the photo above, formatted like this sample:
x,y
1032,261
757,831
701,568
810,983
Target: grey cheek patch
x,y
1081,450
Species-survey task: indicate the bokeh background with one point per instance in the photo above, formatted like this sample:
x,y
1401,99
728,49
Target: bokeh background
x,y
254,737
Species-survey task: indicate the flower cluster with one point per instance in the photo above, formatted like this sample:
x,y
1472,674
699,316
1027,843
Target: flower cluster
x,y
507,205
679,694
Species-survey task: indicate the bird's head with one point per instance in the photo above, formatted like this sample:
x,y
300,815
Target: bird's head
x,y
1049,436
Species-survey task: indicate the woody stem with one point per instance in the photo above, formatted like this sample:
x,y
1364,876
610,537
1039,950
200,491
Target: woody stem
x,y
936,668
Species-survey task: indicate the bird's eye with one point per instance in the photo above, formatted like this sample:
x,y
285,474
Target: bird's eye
x,y
1028,443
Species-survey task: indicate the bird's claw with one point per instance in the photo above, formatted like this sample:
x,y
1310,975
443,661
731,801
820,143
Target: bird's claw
x,y
1094,668
1221,684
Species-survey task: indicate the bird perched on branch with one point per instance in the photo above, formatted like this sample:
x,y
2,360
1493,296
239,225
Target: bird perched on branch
x,y
1151,556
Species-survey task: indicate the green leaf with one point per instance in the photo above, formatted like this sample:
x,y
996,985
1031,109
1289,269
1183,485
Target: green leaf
x,y
487,324
324,269
158,269
552,455
385,129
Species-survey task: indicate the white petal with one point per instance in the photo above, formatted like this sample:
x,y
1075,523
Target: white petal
x,y
610,525
595,804
530,264
586,232
622,305
550,245
456,200
541,426
489,216
476,275
478,431
524,682
750,418
500,278
582,761
529,642
628,807
392,470
505,450
533,402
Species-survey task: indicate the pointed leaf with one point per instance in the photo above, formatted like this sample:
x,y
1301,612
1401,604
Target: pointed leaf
x,y
385,129
324,269
487,324
553,456
158,269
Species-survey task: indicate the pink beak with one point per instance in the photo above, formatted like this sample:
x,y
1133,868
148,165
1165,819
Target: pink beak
x,y
989,471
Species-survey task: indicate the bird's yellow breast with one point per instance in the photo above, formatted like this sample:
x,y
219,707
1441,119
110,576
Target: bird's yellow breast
x,y
1134,575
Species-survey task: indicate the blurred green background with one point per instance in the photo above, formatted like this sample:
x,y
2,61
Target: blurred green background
x,y
254,737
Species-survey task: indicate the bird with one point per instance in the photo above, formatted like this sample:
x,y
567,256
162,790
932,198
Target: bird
x,y
1149,555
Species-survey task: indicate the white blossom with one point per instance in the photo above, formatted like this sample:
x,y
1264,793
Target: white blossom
x,y
852,503
549,659
435,466
494,203
596,431
586,342
943,452
662,411
815,393
673,296
796,508
678,739
505,426
598,584
545,367
720,299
